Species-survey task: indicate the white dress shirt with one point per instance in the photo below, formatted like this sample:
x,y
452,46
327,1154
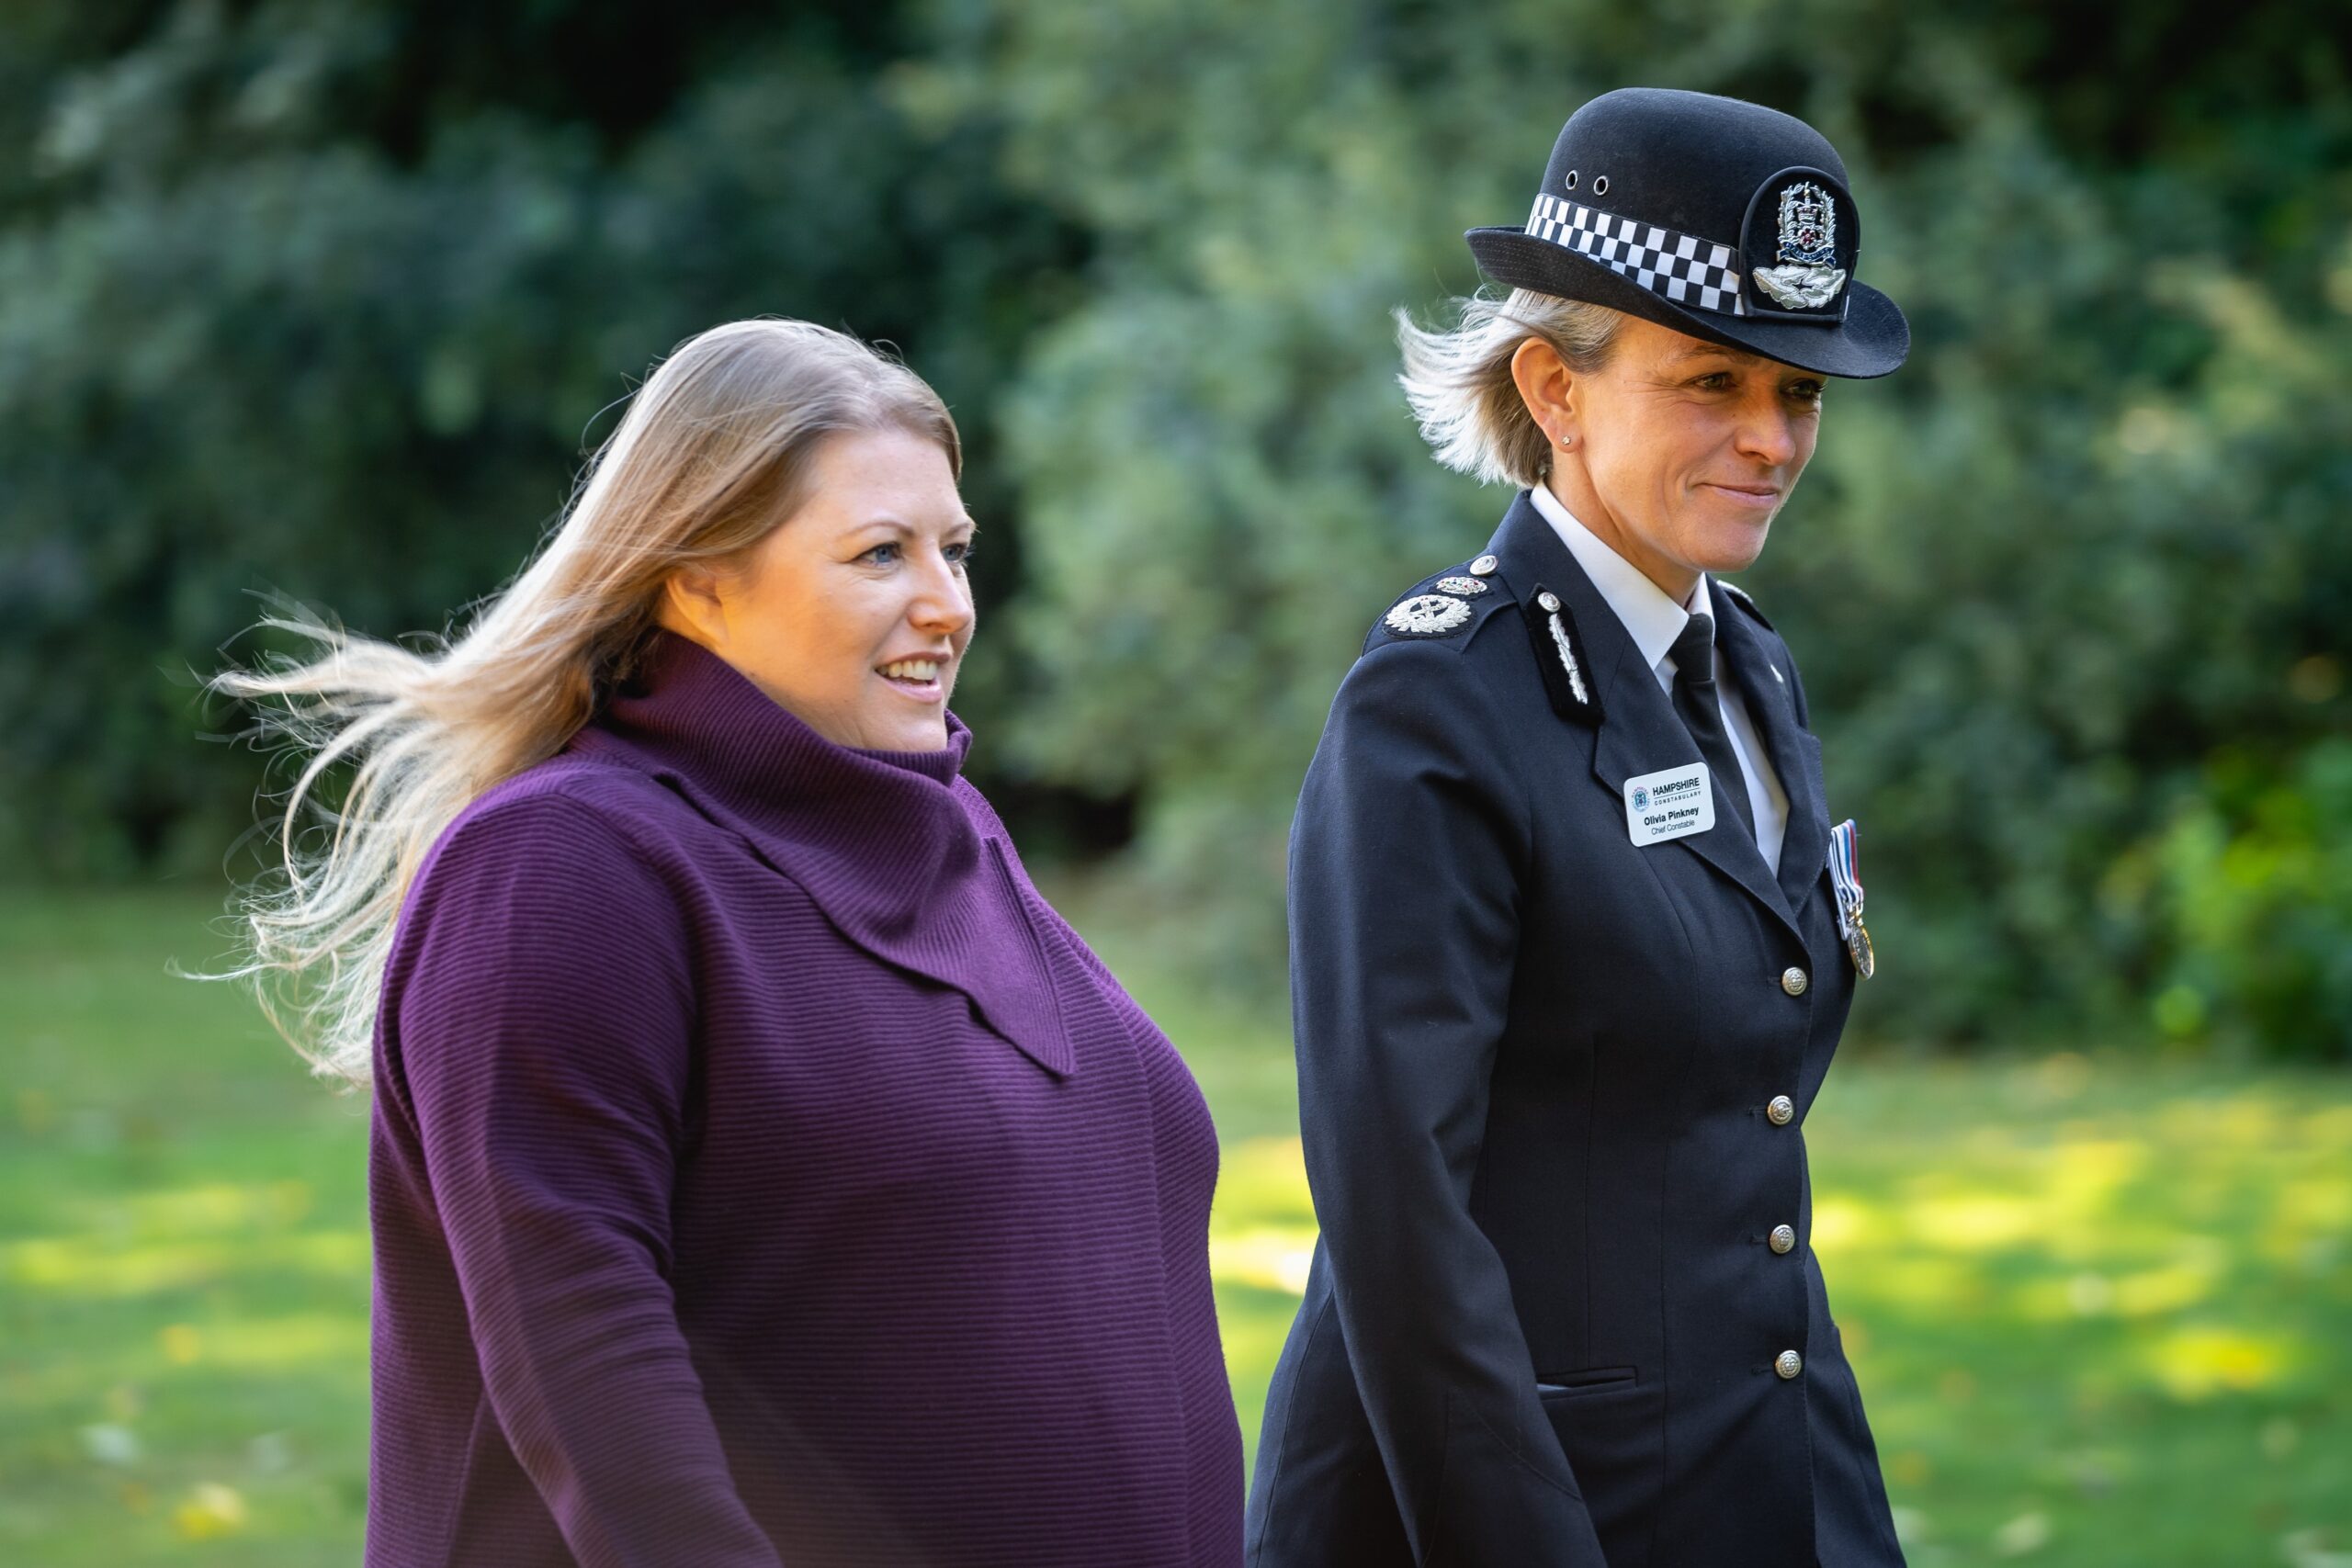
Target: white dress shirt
x,y
1653,620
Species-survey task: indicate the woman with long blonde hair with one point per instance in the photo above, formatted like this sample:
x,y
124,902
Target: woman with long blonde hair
x,y
761,1172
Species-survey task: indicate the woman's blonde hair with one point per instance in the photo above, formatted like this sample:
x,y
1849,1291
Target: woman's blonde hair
x,y
712,454
1458,378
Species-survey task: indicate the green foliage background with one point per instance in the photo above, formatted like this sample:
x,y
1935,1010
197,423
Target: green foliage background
x,y
325,297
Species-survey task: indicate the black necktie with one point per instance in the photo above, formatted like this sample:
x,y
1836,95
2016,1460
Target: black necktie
x,y
1694,698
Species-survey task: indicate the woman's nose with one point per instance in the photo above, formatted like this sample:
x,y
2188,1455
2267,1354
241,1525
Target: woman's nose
x,y
1768,436
944,604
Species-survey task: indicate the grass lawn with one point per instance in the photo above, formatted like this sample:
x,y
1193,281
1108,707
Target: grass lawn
x,y
2101,1307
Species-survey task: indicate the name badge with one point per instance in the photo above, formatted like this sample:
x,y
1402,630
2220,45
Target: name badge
x,y
1673,803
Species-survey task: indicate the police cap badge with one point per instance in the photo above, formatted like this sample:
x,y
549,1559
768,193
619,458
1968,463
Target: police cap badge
x,y
1790,244
1718,218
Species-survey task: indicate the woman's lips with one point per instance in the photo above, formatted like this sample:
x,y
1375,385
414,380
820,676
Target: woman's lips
x,y
920,679
1760,498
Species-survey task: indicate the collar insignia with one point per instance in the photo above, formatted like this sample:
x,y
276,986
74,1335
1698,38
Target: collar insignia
x,y
1552,631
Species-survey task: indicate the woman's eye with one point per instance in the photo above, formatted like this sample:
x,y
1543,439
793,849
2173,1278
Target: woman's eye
x,y
1716,381
881,555
960,553
1807,392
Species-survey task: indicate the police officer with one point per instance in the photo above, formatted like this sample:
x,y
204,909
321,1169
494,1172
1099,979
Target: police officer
x,y
1573,937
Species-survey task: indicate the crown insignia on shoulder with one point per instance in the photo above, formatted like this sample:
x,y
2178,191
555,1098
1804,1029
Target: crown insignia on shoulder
x,y
1449,604
1427,615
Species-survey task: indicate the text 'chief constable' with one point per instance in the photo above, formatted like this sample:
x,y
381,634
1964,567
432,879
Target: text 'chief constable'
x,y
1573,938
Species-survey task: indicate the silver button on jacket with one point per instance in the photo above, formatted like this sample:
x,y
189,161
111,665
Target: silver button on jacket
x,y
1783,1110
1790,1364
1783,1237
1793,980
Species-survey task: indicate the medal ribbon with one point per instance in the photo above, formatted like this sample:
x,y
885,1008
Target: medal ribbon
x,y
1845,871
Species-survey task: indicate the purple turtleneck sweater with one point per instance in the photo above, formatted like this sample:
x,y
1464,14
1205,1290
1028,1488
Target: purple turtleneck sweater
x,y
763,1173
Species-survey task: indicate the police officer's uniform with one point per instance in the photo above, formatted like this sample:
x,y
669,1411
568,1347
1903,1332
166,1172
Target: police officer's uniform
x,y
1555,1050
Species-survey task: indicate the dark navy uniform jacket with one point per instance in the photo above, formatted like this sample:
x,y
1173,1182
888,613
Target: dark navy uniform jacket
x,y
1538,1068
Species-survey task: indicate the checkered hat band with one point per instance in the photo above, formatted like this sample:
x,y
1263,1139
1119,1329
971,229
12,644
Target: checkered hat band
x,y
1680,267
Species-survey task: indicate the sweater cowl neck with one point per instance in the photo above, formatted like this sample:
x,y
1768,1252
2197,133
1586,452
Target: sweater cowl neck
x,y
890,845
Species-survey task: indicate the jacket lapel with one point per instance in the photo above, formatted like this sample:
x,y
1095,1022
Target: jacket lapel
x,y
1795,752
1641,732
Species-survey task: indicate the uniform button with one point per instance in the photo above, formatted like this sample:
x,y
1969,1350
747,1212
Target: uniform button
x,y
1789,1364
1484,566
1783,1110
1783,1237
1793,980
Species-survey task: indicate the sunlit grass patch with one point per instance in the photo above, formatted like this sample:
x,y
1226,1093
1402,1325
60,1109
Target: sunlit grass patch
x,y
2087,1331
2097,1309
2100,1308
182,1259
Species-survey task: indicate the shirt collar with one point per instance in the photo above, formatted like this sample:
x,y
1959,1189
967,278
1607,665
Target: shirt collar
x,y
1651,618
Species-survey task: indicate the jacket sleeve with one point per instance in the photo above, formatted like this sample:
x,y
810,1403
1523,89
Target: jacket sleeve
x,y
541,1042
1404,879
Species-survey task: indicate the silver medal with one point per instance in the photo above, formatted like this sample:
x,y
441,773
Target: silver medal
x,y
1858,947
1846,880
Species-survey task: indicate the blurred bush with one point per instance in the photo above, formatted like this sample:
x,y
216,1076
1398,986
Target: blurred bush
x,y
330,298
2249,898
323,297
2088,540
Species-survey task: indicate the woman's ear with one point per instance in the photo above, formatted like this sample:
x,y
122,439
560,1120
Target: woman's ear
x,y
692,606
1545,384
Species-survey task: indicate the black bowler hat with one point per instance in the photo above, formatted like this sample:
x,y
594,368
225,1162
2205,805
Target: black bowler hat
x,y
1717,218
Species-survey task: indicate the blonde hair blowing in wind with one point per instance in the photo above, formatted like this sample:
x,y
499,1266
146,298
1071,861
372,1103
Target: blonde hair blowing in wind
x,y
1458,378
712,454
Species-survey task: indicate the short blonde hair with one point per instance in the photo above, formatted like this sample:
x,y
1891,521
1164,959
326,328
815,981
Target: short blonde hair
x,y
1458,378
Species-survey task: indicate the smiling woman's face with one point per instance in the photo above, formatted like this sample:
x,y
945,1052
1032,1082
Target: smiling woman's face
x,y
854,613
1683,451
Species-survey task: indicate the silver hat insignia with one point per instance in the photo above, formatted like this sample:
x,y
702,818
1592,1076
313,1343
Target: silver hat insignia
x,y
1806,280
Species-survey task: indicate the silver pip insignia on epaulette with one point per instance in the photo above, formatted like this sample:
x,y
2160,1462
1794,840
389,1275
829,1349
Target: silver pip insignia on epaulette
x,y
1552,631
1427,615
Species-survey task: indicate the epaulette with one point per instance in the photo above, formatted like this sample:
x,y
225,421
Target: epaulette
x,y
1447,606
1740,594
